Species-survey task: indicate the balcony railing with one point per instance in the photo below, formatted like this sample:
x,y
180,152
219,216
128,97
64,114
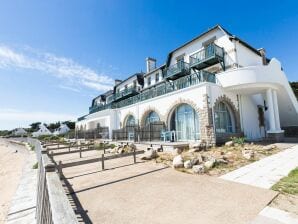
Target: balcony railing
x,y
159,90
206,57
100,107
125,93
181,68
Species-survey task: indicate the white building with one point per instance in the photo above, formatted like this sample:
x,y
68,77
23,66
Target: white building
x,y
43,130
63,129
210,88
19,132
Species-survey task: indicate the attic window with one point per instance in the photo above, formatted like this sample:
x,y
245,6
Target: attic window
x,y
209,41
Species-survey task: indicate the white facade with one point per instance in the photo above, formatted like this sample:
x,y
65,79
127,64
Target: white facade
x,y
43,130
254,98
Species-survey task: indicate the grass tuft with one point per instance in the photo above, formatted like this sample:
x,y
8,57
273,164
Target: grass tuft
x,y
288,184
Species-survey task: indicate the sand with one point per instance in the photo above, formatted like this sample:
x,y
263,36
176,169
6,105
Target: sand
x,y
11,163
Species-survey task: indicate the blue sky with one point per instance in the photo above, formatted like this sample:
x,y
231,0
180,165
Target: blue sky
x,y
55,56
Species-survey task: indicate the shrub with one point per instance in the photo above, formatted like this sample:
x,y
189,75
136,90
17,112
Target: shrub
x,y
239,140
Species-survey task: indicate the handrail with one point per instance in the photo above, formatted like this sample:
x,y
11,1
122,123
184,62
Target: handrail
x,y
211,50
52,206
162,89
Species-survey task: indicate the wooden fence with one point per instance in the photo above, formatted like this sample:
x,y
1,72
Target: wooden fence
x,y
53,206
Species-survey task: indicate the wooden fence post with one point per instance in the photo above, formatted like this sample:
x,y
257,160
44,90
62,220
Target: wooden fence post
x,y
80,148
102,161
60,169
134,156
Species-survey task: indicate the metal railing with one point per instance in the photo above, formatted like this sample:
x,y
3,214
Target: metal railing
x,y
180,67
160,89
125,92
210,51
97,133
52,206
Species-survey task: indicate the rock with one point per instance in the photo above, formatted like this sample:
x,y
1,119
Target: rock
x,y
187,164
132,146
192,150
209,164
177,151
195,145
248,154
268,147
198,169
178,162
229,143
149,154
197,160
221,161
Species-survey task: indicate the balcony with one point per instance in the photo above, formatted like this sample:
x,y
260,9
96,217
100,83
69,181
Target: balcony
x,y
177,70
126,93
206,57
100,107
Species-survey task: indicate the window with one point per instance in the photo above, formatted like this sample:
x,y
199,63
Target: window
x,y
156,77
130,121
222,118
152,117
149,81
125,87
185,122
134,83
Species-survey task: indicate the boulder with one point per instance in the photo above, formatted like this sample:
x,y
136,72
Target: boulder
x,y
248,154
177,151
132,146
209,164
178,162
194,145
268,147
198,169
229,143
149,154
221,161
197,160
187,164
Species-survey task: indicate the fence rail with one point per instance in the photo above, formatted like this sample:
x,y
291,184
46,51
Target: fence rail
x,y
53,206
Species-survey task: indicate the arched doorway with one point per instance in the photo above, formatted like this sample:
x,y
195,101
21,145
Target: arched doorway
x,y
151,118
130,121
185,122
223,118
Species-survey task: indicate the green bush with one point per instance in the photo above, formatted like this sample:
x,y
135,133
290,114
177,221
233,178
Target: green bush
x,y
239,140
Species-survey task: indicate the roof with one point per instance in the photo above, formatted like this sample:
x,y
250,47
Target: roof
x,y
136,74
231,36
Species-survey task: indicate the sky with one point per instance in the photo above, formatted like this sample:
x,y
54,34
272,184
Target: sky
x,y
55,56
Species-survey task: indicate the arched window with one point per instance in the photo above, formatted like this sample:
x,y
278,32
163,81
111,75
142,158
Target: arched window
x,y
151,117
223,118
130,121
185,123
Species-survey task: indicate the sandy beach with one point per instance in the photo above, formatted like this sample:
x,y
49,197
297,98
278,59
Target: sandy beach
x,y
11,163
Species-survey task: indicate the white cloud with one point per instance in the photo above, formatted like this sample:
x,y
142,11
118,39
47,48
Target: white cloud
x,y
73,73
11,118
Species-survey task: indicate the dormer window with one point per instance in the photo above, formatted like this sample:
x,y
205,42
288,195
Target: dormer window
x,y
156,77
149,81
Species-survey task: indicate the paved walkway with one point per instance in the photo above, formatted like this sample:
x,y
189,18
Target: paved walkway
x,y
22,209
264,174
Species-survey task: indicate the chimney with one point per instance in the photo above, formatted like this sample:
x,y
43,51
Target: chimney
x,y
150,64
263,55
117,81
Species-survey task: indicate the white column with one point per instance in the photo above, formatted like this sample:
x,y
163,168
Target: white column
x,y
271,110
276,112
